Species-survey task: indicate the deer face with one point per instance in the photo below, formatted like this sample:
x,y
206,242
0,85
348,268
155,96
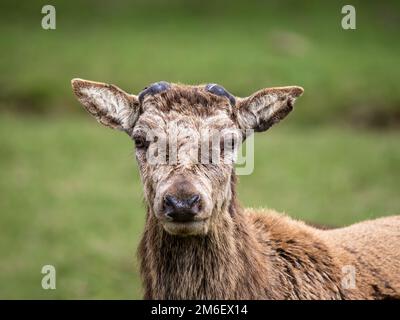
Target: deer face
x,y
186,138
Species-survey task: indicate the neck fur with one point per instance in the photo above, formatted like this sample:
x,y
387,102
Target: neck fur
x,y
215,266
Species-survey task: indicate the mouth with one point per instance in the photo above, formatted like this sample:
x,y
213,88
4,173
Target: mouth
x,y
186,228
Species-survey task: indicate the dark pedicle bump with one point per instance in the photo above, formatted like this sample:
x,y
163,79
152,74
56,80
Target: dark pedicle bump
x,y
220,91
154,89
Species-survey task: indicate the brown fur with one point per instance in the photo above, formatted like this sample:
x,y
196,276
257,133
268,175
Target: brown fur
x,y
265,255
234,253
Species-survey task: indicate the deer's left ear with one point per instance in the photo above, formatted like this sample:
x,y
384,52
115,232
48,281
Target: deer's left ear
x,y
266,107
110,105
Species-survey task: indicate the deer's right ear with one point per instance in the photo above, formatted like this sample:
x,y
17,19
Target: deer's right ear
x,y
109,104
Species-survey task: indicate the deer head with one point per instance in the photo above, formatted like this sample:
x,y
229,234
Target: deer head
x,y
186,138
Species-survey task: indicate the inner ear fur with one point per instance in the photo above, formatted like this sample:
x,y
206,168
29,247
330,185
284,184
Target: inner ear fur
x,y
266,107
110,105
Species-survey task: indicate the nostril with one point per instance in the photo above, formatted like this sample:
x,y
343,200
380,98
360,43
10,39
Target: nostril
x,y
170,201
175,203
193,200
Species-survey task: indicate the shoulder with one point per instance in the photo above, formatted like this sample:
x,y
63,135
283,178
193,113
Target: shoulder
x,y
276,223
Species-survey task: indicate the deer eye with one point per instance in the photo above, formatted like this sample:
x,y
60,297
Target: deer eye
x,y
141,142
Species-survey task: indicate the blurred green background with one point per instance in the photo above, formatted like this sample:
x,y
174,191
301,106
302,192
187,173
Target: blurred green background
x,y
70,194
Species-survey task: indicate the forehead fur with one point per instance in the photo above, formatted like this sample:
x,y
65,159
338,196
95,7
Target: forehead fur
x,y
187,100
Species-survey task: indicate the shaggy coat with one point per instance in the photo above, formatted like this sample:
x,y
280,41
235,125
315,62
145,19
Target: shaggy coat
x,y
265,255
226,252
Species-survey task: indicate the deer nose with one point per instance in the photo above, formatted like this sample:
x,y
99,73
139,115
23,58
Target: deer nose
x,y
181,209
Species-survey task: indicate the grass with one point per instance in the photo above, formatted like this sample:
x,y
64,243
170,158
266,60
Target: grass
x,y
243,47
70,196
